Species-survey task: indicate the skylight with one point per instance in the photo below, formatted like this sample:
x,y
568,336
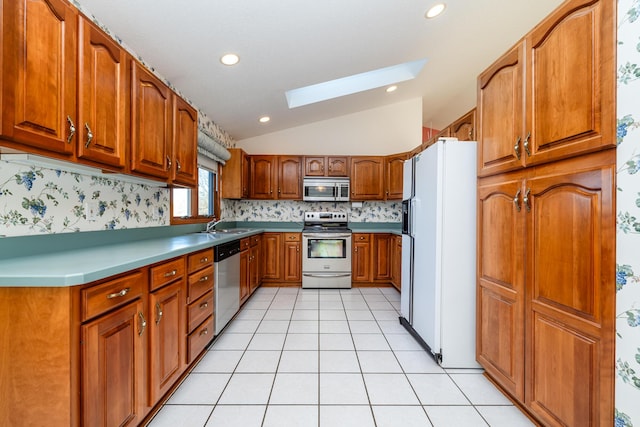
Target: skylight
x,y
354,84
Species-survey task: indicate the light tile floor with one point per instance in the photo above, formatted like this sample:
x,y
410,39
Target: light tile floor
x,y
306,357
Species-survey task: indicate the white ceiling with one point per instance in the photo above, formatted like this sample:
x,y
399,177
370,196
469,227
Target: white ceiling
x,y
286,44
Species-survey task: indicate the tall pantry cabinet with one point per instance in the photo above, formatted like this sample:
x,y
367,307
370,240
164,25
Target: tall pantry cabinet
x,y
546,217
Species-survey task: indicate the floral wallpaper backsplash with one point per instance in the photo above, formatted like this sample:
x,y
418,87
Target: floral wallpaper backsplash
x,y
627,413
37,200
293,211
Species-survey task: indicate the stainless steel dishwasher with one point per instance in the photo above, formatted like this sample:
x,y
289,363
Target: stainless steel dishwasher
x,y
227,283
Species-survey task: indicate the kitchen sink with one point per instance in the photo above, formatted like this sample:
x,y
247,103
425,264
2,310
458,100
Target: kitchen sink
x,y
227,231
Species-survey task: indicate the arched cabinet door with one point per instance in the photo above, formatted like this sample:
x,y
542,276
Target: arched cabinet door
x,y
39,74
500,281
570,290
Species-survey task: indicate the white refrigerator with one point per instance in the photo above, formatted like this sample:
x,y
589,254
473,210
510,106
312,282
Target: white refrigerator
x,y
438,297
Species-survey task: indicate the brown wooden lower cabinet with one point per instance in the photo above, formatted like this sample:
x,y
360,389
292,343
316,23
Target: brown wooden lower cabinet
x,y
113,348
546,291
167,355
281,258
104,353
396,261
373,257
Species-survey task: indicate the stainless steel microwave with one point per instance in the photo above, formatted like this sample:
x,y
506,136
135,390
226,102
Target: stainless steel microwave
x,y
319,189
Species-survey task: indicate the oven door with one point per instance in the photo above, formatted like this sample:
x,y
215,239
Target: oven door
x,y
326,261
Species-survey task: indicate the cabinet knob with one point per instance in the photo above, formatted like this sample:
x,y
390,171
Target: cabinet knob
x,y
178,166
516,148
168,163
516,200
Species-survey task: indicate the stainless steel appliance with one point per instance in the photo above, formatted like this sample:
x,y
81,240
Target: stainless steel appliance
x,y
437,300
325,189
326,245
226,258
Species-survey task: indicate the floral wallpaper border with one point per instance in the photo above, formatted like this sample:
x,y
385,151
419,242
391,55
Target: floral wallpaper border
x,y
628,217
37,200
293,211
205,124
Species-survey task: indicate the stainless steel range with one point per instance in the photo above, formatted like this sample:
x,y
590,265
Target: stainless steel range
x,y
326,243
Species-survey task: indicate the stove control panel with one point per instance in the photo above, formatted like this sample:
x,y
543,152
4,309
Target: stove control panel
x,y
325,217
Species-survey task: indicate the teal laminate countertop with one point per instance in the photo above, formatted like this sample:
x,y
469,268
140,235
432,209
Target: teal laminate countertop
x,y
79,258
85,265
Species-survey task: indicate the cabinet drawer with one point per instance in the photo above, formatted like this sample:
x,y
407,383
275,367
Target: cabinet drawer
x,y
103,297
291,237
255,240
199,310
245,243
198,339
361,237
199,260
166,273
199,284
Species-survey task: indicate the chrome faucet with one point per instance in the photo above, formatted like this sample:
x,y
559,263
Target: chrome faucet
x,y
211,225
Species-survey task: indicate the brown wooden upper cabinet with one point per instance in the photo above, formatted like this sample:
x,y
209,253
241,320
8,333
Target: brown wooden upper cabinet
x,y
565,112
326,166
184,168
367,178
394,174
150,124
465,127
235,175
275,177
39,74
103,93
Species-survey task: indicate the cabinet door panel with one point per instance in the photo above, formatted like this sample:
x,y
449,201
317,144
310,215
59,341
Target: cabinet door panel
x,y
272,256
394,177
500,294
314,166
382,257
337,166
102,97
500,114
185,150
465,127
570,112
562,384
112,360
167,338
39,73
290,177
499,337
264,177
570,290
367,178
292,262
151,124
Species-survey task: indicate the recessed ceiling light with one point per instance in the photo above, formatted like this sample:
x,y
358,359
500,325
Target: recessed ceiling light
x,y
391,89
264,119
230,59
435,11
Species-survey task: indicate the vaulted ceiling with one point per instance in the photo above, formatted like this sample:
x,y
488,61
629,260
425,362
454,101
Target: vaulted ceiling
x,y
287,44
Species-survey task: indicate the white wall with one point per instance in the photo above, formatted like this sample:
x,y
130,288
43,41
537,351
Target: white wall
x,y
386,130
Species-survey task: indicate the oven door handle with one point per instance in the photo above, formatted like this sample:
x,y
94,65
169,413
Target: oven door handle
x,y
326,235
326,274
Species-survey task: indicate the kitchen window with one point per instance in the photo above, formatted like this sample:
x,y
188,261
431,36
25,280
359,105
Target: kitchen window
x,y
200,204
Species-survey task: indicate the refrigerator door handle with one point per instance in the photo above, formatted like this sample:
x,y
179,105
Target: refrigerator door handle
x,y
412,218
